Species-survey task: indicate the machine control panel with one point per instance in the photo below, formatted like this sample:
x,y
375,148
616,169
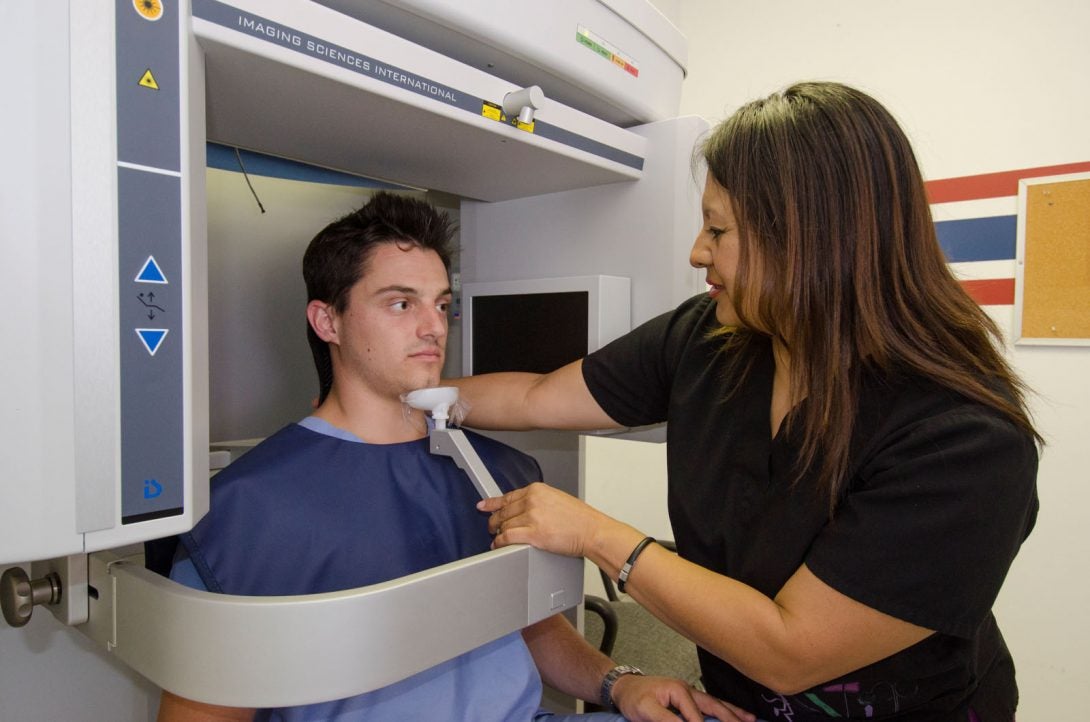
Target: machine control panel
x,y
149,184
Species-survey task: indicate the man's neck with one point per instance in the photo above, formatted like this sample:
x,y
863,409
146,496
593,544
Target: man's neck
x,y
375,421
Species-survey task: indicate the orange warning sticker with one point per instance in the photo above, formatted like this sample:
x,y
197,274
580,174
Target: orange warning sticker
x,y
148,80
149,9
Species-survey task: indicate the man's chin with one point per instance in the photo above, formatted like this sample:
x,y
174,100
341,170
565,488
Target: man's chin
x,y
425,382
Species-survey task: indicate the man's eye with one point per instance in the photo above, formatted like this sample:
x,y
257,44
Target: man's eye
x,y
443,306
400,305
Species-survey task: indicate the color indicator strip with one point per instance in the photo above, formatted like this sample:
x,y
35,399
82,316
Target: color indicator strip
x,y
588,39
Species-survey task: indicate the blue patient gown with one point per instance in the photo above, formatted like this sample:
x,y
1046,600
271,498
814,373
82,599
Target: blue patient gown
x,y
313,509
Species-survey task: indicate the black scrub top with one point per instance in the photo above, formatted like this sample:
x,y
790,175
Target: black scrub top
x,y
940,495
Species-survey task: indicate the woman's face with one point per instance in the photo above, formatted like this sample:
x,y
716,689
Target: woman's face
x,y
716,250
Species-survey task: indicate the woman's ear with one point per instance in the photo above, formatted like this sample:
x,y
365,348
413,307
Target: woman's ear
x,y
322,319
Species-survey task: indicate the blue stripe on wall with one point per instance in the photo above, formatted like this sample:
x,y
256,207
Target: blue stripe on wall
x,y
223,157
978,239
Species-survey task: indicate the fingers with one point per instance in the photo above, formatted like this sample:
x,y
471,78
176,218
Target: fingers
x,y
506,517
685,706
692,705
496,503
504,512
739,713
507,507
541,516
655,699
720,709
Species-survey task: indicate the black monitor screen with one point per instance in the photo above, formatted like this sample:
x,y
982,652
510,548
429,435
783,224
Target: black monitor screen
x,y
537,332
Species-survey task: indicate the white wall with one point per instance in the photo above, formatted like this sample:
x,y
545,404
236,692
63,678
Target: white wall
x,y
980,87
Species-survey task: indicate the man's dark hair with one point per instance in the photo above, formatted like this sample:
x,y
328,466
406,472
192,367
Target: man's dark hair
x,y
337,256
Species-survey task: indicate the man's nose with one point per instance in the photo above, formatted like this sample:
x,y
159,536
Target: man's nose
x,y
433,323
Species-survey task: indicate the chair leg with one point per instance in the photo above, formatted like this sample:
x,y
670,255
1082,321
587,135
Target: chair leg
x,y
602,608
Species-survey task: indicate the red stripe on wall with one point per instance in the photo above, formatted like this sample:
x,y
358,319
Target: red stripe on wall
x,y
993,185
991,291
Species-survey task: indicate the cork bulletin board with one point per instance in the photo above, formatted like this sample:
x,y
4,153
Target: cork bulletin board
x,y
1052,282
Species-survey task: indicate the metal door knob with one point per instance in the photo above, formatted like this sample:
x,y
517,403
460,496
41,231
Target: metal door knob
x,y
19,594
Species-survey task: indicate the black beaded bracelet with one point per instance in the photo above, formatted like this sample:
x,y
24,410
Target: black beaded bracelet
x,y
627,568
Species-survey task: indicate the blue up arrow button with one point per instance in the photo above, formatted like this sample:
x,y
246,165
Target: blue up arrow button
x,y
150,272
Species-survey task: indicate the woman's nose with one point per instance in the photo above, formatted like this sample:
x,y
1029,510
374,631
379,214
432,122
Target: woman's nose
x,y
700,255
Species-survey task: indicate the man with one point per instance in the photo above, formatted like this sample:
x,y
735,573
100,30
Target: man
x,y
351,495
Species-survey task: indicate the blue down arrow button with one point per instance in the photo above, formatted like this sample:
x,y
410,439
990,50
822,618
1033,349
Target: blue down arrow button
x,y
152,338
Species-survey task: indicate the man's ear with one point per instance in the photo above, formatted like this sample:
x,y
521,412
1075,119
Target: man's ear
x,y
322,319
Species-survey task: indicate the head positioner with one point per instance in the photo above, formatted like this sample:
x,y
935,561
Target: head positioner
x,y
439,400
443,403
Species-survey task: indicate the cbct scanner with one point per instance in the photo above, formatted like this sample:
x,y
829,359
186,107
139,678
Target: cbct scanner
x,y
560,110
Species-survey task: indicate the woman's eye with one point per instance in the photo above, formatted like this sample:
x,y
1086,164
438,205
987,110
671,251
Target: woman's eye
x,y
716,232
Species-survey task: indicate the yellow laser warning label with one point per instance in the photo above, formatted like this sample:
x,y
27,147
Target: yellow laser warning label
x,y
491,111
148,80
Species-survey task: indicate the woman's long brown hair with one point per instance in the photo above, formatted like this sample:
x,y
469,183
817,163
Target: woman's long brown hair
x,y
839,262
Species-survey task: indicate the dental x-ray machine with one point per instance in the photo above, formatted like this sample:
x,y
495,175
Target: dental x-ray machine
x,y
105,373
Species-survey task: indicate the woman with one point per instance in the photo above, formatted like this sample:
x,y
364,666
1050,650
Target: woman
x,y
852,467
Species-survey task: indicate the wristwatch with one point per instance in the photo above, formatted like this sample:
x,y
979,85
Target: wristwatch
x,y
606,694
